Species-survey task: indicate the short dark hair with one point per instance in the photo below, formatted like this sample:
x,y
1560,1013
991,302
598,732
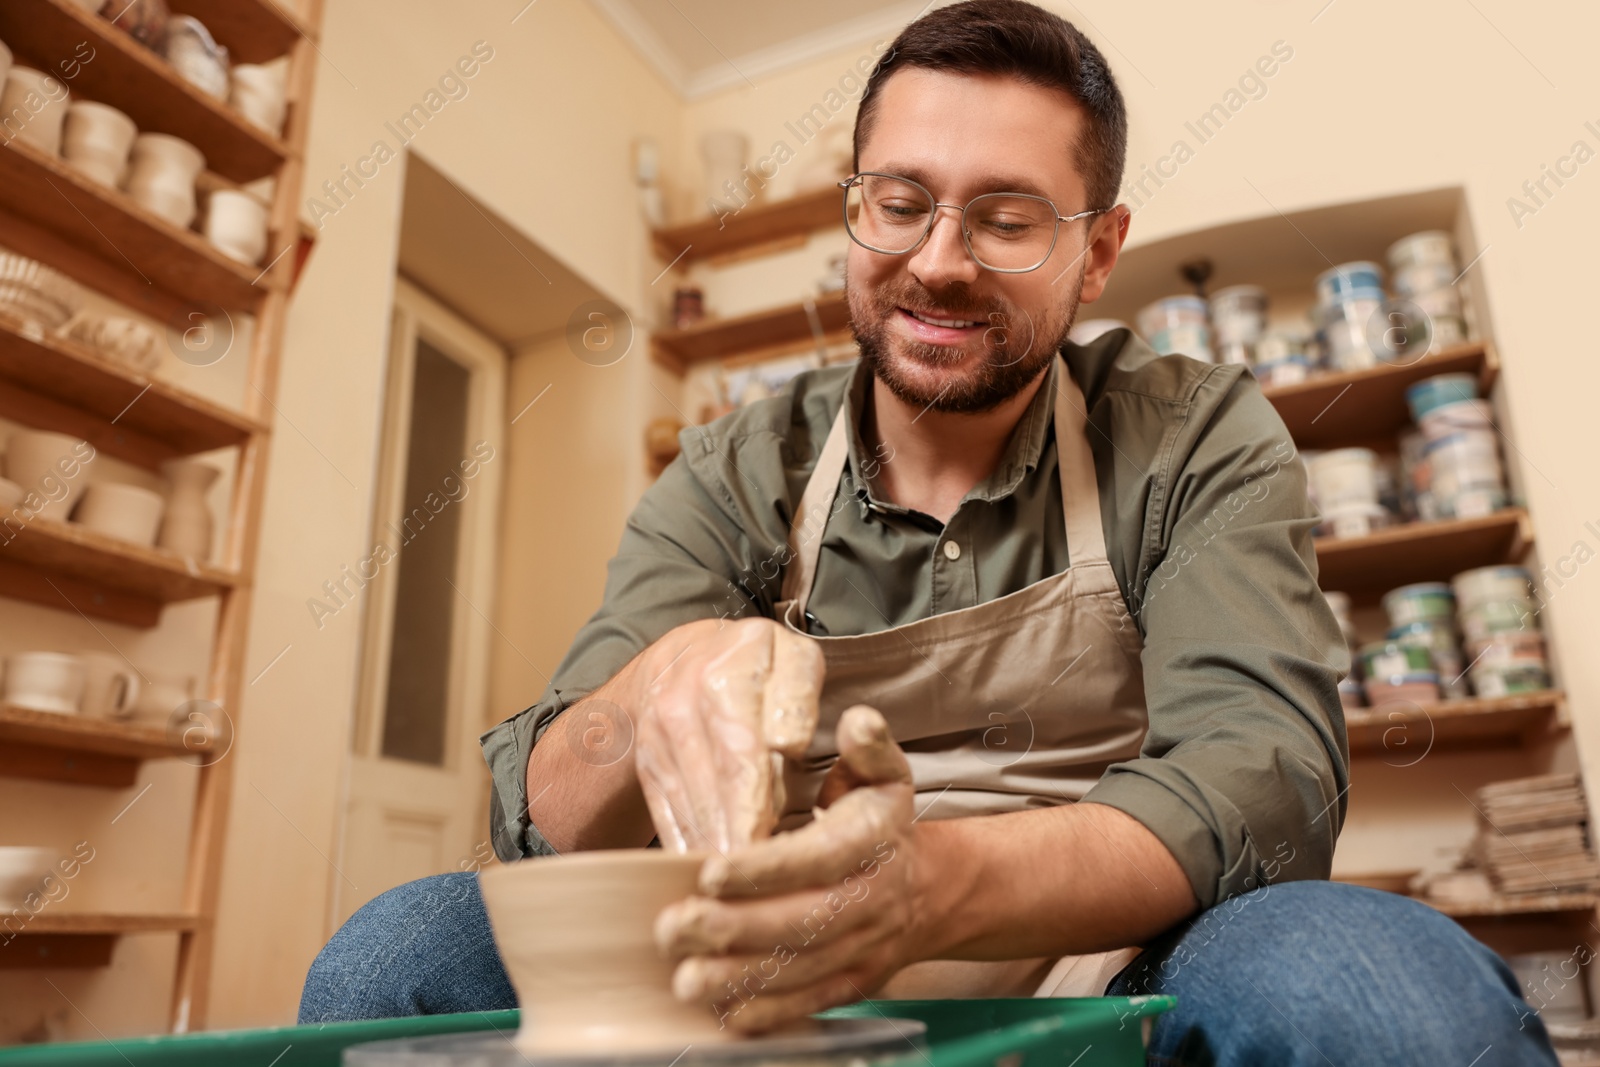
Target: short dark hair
x,y
1023,40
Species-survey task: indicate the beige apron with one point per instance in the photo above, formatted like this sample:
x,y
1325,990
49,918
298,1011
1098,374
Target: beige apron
x,y
1016,703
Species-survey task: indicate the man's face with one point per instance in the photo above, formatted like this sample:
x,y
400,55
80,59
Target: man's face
x,y
961,136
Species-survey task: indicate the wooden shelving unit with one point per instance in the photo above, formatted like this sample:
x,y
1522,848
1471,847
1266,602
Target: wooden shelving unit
x,y
1367,567
1402,733
773,331
108,243
772,224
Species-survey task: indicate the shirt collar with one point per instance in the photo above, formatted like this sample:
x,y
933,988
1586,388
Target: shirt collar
x,y
1021,456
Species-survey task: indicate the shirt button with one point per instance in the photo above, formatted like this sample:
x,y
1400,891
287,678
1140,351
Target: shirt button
x,y
952,551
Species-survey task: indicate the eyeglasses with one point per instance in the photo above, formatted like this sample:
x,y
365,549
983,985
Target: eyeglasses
x,y
1010,233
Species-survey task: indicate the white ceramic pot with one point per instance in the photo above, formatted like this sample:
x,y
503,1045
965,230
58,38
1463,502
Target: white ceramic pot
x,y
161,176
23,869
237,225
34,107
123,339
96,141
111,685
260,93
158,698
51,465
46,681
576,934
196,55
126,512
187,526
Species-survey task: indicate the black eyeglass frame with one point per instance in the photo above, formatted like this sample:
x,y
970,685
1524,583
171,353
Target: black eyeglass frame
x,y
966,233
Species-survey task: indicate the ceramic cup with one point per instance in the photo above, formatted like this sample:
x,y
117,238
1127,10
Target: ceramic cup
x,y
576,934
33,108
50,465
97,140
46,681
161,176
236,224
126,512
259,93
111,685
23,869
158,698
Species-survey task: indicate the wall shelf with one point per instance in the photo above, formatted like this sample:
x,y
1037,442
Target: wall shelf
x,y
83,749
65,566
107,241
58,384
757,225
51,939
1367,567
772,329
254,31
1404,733
1369,406
130,77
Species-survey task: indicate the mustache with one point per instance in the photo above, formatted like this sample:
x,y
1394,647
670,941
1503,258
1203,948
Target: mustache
x,y
988,311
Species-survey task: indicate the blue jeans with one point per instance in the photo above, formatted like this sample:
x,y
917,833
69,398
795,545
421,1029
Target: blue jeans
x,y
1297,973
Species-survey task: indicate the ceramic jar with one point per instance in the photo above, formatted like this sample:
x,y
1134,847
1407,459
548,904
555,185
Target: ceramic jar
x,y
196,55
126,512
187,526
35,108
45,681
96,141
50,465
724,153
236,223
111,687
260,92
162,174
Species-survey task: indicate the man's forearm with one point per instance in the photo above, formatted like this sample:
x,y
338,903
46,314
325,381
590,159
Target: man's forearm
x,y
1068,880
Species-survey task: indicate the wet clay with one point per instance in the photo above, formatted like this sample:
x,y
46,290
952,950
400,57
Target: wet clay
x,y
576,934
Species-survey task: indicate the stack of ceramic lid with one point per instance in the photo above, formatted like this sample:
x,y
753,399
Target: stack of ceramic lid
x,y
1499,618
1424,274
1424,615
1349,297
1460,475
1238,322
1533,835
1177,325
1346,486
34,293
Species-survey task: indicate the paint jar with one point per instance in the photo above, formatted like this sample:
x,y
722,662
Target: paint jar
x,y
1455,417
1422,249
1483,584
1493,617
1518,648
1176,325
1343,477
1416,477
1467,479
1361,280
1439,638
1344,331
1441,389
1385,660
1423,278
1491,682
1280,372
1239,315
1509,663
1354,520
1429,602
1417,687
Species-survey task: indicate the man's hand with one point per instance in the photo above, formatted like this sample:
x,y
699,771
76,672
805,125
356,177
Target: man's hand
x,y
718,708
814,918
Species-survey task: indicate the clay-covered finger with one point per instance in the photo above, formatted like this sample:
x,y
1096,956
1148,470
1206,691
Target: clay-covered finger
x,y
661,784
699,926
733,683
855,831
868,755
780,967
794,686
680,728
758,1013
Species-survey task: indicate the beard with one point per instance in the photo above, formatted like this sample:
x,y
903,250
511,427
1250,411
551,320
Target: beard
x,y
1016,346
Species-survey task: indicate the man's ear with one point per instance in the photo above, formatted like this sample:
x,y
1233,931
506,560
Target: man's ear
x,y
1106,238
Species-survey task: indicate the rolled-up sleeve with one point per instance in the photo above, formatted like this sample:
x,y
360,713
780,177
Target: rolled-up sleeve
x,y
1244,771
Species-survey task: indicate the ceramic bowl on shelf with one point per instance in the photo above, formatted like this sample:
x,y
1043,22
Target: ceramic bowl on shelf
x,y
162,174
46,681
125,340
127,512
236,223
23,869
35,107
50,464
97,140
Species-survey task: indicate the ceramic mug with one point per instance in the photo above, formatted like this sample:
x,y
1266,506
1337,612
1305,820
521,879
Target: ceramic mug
x,y
126,512
158,698
46,681
111,687
259,93
97,140
161,176
50,465
236,223
33,107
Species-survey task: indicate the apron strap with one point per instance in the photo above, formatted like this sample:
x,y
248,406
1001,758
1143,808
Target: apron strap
x,y
1080,496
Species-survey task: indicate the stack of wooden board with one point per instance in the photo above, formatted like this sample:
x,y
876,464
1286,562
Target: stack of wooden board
x,y
1533,836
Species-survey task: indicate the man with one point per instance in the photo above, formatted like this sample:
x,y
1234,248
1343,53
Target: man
x,y
1055,622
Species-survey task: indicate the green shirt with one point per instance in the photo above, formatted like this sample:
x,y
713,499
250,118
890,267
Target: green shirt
x,y
1243,773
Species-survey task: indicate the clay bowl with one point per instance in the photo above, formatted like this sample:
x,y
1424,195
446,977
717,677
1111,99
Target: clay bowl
x,y
576,934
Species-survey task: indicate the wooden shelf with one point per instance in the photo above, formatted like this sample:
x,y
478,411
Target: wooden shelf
x,y
748,229
1407,732
1367,567
773,329
56,939
1369,406
82,749
254,31
55,383
65,566
110,243
1525,904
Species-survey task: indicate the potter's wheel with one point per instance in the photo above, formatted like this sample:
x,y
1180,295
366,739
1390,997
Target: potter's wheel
x,y
828,1041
